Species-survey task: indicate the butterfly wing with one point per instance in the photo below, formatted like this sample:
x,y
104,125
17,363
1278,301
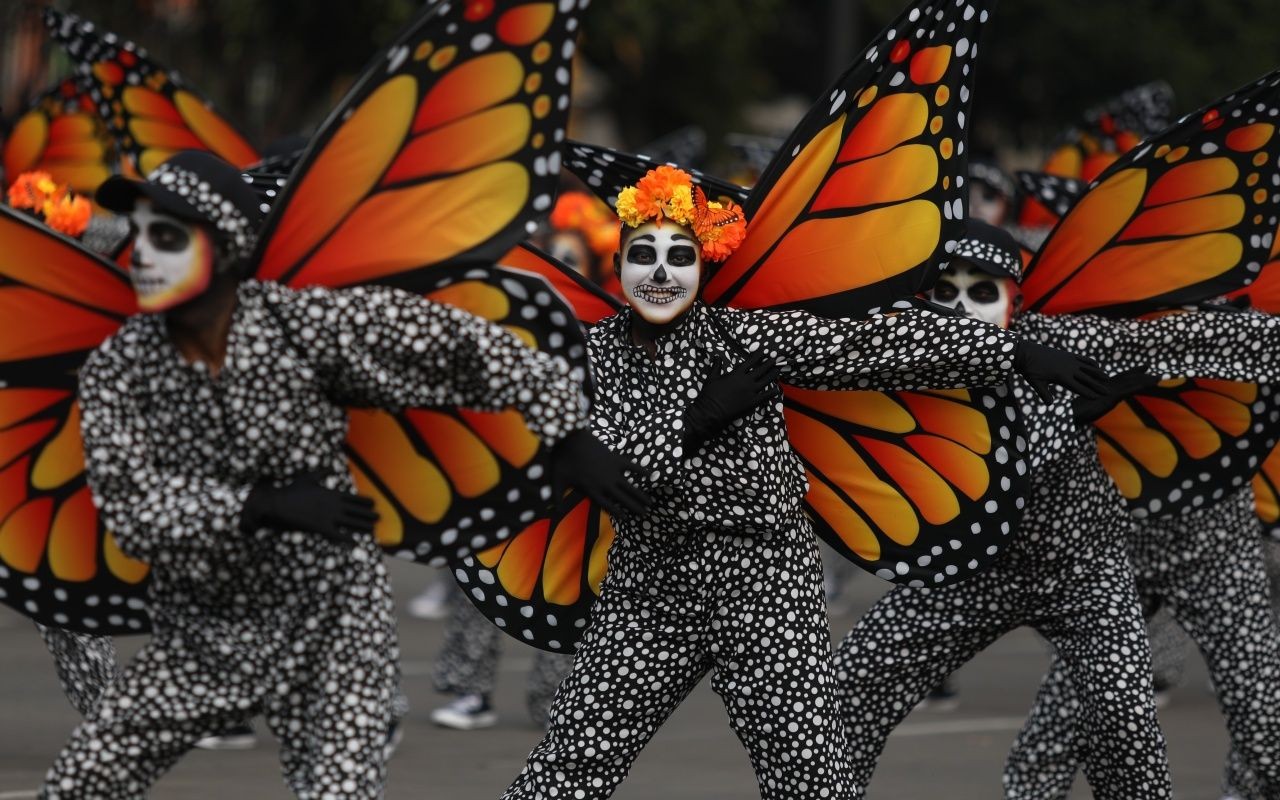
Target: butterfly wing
x,y
1051,195
866,196
448,480
61,134
1186,444
1185,217
608,172
921,488
446,150
539,585
60,566
1266,492
148,108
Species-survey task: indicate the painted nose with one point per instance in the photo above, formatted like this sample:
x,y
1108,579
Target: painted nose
x,y
660,274
960,307
135,258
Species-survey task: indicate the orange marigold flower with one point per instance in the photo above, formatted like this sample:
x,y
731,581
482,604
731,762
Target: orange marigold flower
x,y
32,190
68,214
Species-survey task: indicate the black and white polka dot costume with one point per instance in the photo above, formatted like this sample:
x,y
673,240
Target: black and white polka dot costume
x,y
1207,568
285,622
1067,573
723,573
86,665
468,661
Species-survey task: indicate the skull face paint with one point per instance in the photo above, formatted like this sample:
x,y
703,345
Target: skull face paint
x,y
660,269
977,294
172,260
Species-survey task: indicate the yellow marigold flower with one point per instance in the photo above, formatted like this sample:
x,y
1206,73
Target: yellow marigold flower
x,y
627,210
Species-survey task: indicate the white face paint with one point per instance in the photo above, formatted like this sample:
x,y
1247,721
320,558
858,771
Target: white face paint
x,y
661,267
987,204
978,294
569,248
172,259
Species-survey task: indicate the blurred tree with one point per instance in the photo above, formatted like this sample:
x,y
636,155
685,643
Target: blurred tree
x,y
670,63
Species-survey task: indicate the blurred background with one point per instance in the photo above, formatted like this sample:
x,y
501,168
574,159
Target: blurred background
x,y
655,73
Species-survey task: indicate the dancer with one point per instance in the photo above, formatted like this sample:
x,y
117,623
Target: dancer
x,y
689,392
1207,568
267,591
1067,574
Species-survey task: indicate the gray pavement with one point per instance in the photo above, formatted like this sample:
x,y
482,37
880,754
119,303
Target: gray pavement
x,y
956,756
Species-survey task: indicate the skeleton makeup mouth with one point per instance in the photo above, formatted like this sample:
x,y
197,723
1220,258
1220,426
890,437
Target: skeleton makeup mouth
x,y
660,295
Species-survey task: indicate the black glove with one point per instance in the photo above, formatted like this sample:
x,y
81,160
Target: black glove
x,y
1042,366
729,396
1086,410
582,460
304,504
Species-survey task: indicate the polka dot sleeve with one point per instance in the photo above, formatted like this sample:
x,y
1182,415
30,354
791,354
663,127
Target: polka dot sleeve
x,y
156,515
1234,346
390,349
913,349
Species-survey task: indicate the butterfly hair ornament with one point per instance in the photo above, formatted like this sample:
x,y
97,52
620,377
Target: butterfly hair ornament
x,y
669,193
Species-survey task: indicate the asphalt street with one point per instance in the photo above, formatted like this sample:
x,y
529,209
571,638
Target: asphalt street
x,y
957,755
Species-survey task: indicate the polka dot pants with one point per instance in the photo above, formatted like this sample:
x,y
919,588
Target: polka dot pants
x,y
86,665
1067,575
1208,570
675,607
468,662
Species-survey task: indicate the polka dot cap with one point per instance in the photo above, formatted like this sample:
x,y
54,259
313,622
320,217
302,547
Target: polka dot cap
x,y
990,249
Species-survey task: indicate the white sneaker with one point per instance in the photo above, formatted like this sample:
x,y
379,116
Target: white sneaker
x,y
241,737
393,740
432,602
467,713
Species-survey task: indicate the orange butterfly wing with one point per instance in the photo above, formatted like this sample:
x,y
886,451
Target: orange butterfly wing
x,y
447,150
867,195
921,488
57,564
1183,218
1186,444
540,585
448,481
1266,491
61,134
150,111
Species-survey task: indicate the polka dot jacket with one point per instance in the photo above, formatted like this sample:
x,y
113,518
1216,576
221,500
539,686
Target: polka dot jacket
x,y
747,478
173,452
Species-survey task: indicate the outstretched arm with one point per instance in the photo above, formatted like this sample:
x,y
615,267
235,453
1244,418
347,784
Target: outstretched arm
x,y
389,349
1228,345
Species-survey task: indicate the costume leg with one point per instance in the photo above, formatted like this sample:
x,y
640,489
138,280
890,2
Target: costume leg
x,y
1045,756
468,662
1210,567
604,714
331,705
164,701
771,645
1097,628
548,670
86,665
906,644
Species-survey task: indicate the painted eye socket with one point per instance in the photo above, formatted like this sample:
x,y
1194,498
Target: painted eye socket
x,y
945,291
642,254
682,256
167,237
985,292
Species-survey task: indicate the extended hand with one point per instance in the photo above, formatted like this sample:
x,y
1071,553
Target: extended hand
x,y
728,397
1086,410
304,504
1042,366
582,460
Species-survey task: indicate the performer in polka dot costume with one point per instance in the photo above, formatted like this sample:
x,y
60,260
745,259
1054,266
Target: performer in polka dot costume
x,y
1207,567
213,427
1067,574
723,574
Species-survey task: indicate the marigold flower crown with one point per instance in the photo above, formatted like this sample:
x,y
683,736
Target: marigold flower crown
x,y
39,194
669,193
